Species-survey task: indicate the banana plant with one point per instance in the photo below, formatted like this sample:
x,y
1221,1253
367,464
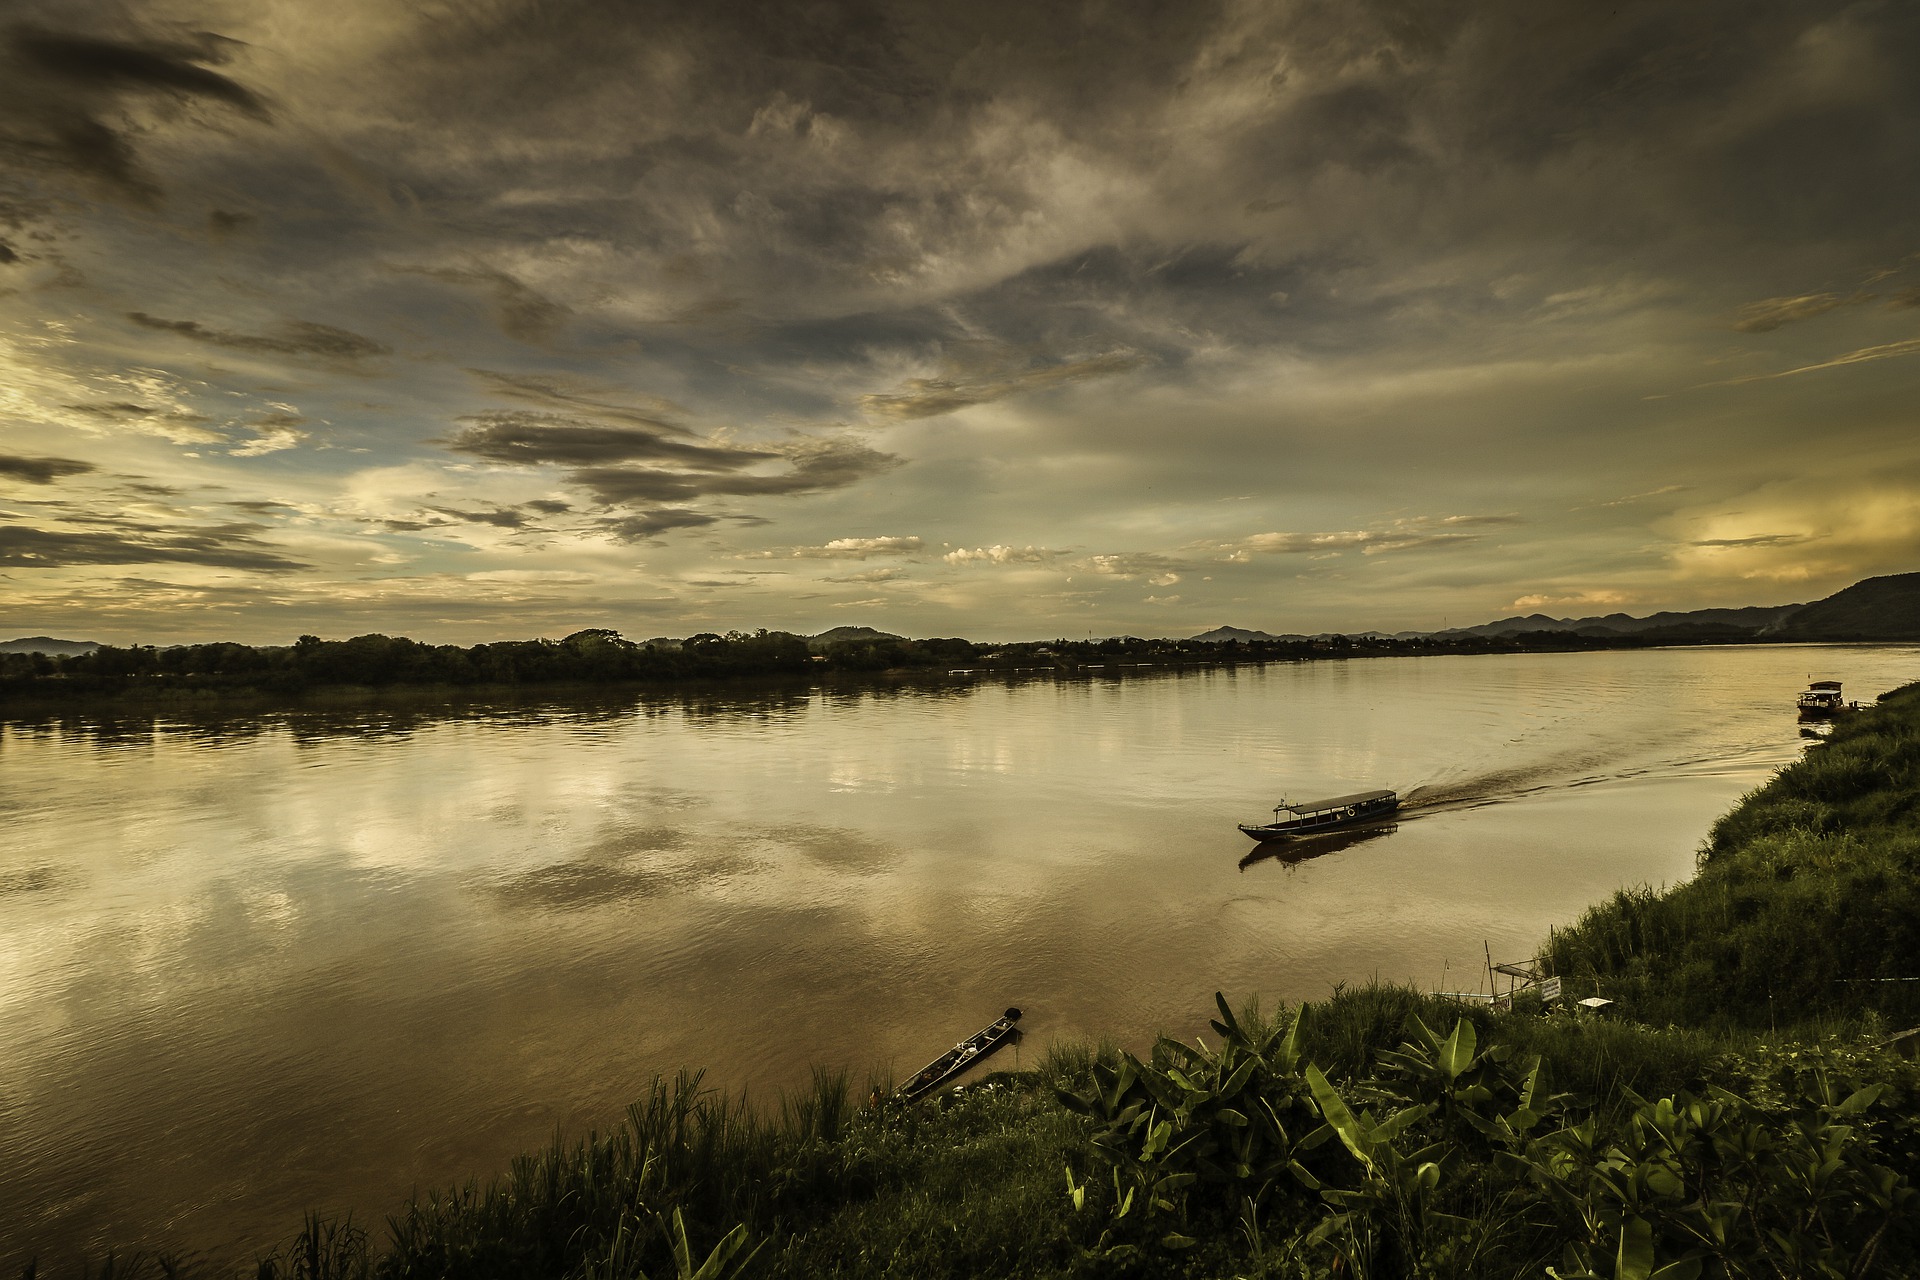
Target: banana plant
x,y
1397,1192
1235,1118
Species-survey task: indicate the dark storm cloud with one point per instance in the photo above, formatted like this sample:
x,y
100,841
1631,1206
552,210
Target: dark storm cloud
x,y
532,438
294,338
223,547
521,312
651,524
498,517
62,93
814,467
41,470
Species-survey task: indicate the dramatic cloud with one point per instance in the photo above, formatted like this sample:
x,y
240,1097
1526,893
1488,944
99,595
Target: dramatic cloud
x,y
41,470
272,433
519,311
64,93
225,547
1220,297
651,524
533,438
294,338
814,466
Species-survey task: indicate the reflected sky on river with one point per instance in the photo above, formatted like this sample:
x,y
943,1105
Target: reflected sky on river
x,y
271,961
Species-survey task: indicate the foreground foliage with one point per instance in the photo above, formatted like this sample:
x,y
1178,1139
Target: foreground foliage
x,y
1352,1138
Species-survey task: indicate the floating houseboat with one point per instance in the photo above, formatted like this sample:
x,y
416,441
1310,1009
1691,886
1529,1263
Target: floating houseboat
x,y
1305,817
1821,701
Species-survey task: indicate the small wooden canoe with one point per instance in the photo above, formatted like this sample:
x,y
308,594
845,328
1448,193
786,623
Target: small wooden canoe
x,y
960,1058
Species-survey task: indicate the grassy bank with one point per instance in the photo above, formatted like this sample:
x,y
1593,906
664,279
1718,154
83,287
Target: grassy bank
x,y
1806,905
1708,1131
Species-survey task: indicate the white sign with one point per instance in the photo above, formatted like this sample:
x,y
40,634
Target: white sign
x,y
1549,989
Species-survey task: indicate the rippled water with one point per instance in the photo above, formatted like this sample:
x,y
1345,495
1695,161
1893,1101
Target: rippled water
x,y
251,966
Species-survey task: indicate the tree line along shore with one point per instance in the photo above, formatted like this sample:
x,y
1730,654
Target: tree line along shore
x,y
603,657
1743,1109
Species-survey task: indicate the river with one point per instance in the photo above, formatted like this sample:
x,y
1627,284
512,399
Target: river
x,y
255,964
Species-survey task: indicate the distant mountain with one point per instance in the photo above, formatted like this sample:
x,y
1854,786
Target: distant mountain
x,y
49,646
1220,635
1753,618
842,635
1885,608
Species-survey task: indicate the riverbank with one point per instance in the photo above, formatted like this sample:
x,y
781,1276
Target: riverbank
x,y
213,675
1278,1171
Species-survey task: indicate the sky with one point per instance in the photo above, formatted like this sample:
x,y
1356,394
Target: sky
x,y
484,319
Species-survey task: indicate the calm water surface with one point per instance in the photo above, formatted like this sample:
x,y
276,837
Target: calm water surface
x,y
320,959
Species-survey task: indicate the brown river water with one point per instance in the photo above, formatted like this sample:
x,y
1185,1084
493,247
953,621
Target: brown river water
x,y
317,959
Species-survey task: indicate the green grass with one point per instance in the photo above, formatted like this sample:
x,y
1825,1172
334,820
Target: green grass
x,y
1806,906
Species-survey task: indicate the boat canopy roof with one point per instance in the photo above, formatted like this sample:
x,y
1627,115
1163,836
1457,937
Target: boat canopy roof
x,y
1824,684
1337,802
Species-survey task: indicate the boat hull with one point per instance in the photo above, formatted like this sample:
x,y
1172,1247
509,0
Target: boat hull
x,y
1296,828
961,1058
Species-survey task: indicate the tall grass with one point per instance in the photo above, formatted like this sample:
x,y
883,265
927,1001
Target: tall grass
x,y
1806,905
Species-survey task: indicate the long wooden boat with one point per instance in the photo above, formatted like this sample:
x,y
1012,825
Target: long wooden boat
x,y
961,1057
1311,816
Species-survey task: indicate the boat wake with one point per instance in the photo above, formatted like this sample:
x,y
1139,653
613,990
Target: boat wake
x,y
1564,772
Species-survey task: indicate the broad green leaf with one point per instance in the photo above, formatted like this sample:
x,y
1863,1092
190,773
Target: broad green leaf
x,y
1290,1047
1635,1261
1353,1133
1226,1016
1457,1055
1860,1100
1238,1080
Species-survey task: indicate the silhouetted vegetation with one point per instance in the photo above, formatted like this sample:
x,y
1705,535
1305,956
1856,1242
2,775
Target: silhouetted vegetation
x,y
603,657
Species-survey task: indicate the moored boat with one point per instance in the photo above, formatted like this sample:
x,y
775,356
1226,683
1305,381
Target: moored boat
x,y
1820,701
960,1058
1310,816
